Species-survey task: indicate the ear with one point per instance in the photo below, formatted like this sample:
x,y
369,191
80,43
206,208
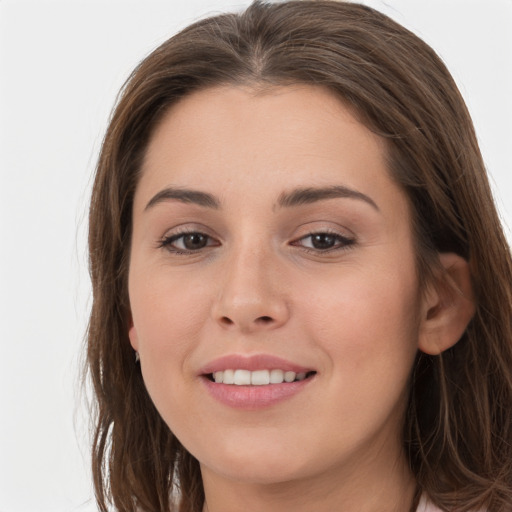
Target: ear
x,y
132,334
448,305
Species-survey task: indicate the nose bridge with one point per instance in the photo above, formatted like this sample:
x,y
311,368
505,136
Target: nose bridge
x,y
250,296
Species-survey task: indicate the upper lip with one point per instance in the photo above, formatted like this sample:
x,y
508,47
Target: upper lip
x,y
252,363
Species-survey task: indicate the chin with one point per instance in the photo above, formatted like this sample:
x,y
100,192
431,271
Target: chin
x,y
266,462
257,471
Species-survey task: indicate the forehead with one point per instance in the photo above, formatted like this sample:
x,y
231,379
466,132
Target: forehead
x,y
236,112
236,139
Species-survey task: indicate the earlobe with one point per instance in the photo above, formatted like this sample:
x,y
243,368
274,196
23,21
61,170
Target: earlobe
x,y
448,305
132,334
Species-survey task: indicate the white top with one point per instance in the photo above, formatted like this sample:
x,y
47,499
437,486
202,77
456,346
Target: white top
x,y
426,506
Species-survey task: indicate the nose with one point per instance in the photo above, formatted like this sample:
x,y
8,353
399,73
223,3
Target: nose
x,y
252,295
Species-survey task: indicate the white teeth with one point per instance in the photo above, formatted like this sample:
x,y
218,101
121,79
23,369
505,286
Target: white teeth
x,y
260,378
242,377
256,378
289,376
276,376
229,377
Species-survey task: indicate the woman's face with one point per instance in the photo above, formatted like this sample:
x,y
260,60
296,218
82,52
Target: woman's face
x,y
269,242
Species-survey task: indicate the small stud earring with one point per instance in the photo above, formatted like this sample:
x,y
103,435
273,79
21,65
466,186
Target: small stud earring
x,y
137,357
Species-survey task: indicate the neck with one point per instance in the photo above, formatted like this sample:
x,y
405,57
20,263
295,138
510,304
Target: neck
x,y
364,486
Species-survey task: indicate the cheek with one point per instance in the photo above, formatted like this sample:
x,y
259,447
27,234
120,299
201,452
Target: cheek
x,y
367,326
368,321
168,319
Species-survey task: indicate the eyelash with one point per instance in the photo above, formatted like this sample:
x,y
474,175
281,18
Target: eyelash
x,y
167,241
342,242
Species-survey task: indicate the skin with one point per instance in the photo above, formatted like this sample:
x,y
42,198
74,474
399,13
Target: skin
x,y
354,313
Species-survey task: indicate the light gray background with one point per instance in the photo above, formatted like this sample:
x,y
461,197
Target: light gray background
x,y
61,65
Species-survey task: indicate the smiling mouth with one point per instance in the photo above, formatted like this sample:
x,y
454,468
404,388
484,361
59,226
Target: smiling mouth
x,y
257,377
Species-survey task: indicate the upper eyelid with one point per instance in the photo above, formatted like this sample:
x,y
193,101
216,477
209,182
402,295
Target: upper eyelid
x,y
177,235
203,231
182,231
187,229
324,225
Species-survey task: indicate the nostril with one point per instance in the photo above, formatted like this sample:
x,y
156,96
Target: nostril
x,y
246,323
264,319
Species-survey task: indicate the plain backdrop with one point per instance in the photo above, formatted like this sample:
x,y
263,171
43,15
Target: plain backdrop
x,y
61,65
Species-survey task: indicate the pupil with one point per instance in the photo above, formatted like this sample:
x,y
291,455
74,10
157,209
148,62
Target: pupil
x,y
194,241
323,241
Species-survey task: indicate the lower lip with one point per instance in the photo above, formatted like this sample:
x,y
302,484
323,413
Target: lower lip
x,y
254,397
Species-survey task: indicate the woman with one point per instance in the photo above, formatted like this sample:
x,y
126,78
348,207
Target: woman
x,y
302,293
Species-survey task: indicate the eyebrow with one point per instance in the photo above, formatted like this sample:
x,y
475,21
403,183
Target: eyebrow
x,y
310,195
296,197
185,196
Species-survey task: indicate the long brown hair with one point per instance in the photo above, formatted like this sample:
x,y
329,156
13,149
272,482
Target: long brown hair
x,y
458,429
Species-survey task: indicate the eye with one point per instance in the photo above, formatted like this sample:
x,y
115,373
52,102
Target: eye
x,y
324,241
184,243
